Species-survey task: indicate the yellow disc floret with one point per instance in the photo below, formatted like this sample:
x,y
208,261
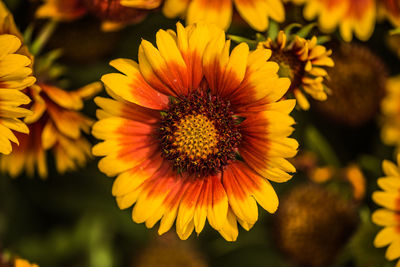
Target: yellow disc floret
x,y
196,136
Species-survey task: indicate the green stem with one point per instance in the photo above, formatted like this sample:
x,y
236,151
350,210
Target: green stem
x,y
43,37
316,141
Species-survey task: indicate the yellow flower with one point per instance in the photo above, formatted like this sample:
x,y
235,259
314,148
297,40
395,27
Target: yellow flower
x,y
389,215
55,125
356,16
53,120
7,260
390,107
61,10
254,12
15,75
113,14
357,180
304,62
24,263
195,132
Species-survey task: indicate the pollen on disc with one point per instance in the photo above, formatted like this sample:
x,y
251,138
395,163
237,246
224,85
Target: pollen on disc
x,y
196,136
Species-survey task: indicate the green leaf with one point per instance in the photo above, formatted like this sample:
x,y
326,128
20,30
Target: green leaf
x,y
43,37
323,39
44,65
290,27
317,143
28,34
260,37
370,163
273,30
394,31
305,31
238,39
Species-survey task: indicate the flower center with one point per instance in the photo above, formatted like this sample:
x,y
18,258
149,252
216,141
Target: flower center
x,y
196,136
199,134
289,66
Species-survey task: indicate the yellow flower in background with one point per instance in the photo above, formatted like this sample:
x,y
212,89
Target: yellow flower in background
x,y
390,107
114,14
304,62
389,215
195,132
350,16
254,12
15,75
8,260
56,125
53,120
24,263
61,10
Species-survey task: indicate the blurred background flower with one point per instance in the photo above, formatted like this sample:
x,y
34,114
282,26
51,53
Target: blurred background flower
x,y
55,125
390,110
312,225
357,84
254,12
53,121
113,14
350,16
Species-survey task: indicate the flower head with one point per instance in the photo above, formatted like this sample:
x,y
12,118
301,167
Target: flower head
x,y
54,122
113,14
254,12
389,215
356,16
304,62
313,225
15,75
195,132
357,84
55,125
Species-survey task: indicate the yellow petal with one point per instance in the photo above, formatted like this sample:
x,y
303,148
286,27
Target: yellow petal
x,y
385,237
174,8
